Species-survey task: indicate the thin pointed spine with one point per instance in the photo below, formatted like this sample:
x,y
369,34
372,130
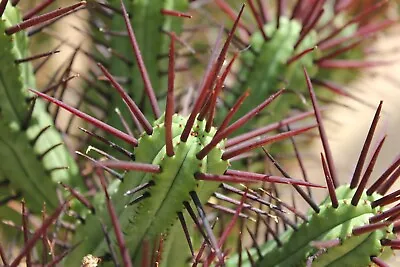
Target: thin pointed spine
x,y
322,132
329,182
128,165
114,219
129,101
186,232
209,80
127,138
43,18
38,233
139,60
367,173
169,110
207,226
242,148
40,7
237,124
363,154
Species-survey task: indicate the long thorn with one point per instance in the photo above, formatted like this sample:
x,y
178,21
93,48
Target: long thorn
x,y
364,151
143,72
97,123
324,137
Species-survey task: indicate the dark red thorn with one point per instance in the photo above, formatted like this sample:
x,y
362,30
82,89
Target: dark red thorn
x,y
386,200
303,194
48,54
369,227
143,72
79,197
37,9
128,165
297,8
311,14
367,173
350,64
364,151
355,19
269,178
257,17
175,13
232,111
329,182
251,178
129,102
390,181
170,108
47,151
217,90
242,148
386,214
231,14
38,234
212,74
300,55
114,219
3,5
25,231
388,242
229,227
322,132
42,18
384,176
97,123
273,126
3,256
306,30
379,262
237,124
263,11
186,232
